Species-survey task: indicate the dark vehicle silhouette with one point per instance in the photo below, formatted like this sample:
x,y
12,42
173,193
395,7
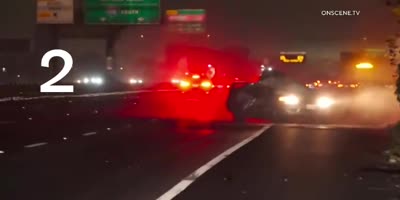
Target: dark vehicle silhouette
x,y
279,98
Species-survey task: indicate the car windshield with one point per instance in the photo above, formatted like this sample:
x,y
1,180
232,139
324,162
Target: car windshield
x,y
282,82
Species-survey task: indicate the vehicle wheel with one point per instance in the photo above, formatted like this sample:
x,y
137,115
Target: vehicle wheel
x,y
239,117
244,105
272,114
279,117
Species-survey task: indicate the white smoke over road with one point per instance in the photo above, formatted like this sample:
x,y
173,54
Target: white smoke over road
x,y
373,105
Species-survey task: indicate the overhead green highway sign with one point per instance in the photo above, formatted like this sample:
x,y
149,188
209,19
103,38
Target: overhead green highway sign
x,y
122,11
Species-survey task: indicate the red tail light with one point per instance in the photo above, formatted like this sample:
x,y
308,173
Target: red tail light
x,y
184,84
196,76
206,84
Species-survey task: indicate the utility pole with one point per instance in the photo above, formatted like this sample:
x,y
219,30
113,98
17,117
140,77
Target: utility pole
x,y
110,44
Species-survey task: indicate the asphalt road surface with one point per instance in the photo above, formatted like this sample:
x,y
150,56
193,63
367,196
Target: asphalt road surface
x,y
151,146
302,162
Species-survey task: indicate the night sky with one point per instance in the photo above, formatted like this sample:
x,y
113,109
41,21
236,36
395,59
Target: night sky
x,y
17,19
296,24
265,26
268,27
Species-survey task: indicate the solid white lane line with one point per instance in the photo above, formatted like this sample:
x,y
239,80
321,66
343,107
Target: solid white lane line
x,y
230,124
89,134
182,185
35,145
333,126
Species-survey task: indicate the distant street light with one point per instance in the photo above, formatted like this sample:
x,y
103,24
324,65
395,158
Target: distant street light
x,y
3,69
364,66
142,36
18,76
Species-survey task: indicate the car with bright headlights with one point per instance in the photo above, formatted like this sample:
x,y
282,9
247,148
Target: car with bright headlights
x,y
279,98
90,80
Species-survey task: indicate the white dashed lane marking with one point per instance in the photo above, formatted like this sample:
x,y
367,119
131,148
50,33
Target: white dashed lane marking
x,y
35,145
89,134
182,185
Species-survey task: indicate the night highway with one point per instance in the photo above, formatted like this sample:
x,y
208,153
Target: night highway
x,y
95,145
119,149
199,100
296,162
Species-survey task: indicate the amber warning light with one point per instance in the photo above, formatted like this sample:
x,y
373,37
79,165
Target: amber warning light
x,y
364,66
292,57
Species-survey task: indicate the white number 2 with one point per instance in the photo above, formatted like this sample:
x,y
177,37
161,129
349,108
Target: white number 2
x,y
48,86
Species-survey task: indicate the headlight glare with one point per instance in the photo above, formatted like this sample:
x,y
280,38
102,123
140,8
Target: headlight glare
x,y
325,102
290,99
96,80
